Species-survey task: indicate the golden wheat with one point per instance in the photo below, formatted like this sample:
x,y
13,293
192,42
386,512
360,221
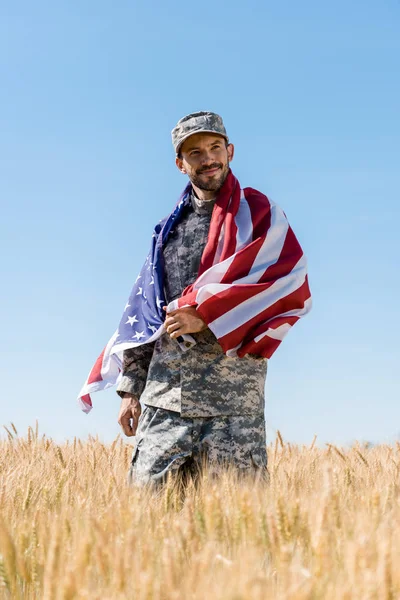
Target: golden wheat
x,y
326,527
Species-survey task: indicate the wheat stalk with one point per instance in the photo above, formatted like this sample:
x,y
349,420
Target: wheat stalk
x,y
326,526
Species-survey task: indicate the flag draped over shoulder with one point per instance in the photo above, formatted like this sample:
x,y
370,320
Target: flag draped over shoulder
x,y
252,285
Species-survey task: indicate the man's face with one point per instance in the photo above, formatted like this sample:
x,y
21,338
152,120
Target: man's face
x,y
205,158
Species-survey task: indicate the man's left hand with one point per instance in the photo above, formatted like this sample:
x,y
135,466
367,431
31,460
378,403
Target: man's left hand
x,y
183,320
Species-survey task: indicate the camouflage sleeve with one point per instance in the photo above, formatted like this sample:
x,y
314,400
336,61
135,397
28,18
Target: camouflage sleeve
x,y
135,366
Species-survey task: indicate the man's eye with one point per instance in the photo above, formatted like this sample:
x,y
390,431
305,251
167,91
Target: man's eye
x,y
194,152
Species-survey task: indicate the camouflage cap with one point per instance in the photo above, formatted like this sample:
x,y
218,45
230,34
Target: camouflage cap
x,y
199,122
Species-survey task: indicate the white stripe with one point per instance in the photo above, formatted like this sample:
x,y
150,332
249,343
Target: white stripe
x,y
83,406
243,236
207,291
112,363
109,371
271,249
243,223
277,333
174,305
109,367
267,256
252,307
214,274
232,352
220,246
97,386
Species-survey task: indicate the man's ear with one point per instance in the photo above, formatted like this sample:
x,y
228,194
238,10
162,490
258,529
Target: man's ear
x,y
231,151
179,164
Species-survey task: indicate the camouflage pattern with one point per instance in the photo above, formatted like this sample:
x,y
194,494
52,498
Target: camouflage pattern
x,y
185,246
169,443
199,122
135,367
202,382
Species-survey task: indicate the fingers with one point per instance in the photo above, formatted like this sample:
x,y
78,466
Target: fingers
x,y
171,313
169,321
125,423
173,327
184,320
136,412
177,333
129,419
172,324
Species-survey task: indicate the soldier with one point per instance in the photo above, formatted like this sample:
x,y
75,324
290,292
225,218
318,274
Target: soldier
x,y
204,403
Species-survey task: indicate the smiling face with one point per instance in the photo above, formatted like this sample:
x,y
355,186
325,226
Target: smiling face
x,y
205,158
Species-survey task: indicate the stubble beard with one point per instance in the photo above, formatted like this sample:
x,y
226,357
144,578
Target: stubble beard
x,y
215,183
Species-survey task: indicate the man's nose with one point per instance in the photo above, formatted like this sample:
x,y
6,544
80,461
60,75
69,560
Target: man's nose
x,y
206,157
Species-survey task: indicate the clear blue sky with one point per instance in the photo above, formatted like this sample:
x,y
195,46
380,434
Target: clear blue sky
x,y
310,95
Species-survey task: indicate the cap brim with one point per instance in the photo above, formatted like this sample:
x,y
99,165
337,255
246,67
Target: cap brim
x,y
199,131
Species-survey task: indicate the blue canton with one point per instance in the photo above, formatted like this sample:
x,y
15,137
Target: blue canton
x,y
144,316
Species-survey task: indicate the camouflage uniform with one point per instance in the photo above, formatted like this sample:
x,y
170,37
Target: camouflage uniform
x,y
167,442
198,402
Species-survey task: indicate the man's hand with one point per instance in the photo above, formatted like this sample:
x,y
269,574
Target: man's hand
x,y
183,320
130,411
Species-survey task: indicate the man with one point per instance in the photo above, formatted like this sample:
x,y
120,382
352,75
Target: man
x,y
234,281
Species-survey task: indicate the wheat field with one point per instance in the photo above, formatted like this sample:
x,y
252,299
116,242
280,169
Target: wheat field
x,y
326,526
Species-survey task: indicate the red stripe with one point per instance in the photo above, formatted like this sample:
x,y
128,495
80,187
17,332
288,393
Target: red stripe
x,y
266,343
265,347
289,257
230,227
188,299
95,373
274,324
243,261
212,242
293,301
87,400
230,231
226,300
226,203
260,210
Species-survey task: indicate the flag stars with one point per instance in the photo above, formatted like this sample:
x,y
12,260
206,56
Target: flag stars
x,y
137,278
152,327
138,335
159,302
127,305
140,292
132,320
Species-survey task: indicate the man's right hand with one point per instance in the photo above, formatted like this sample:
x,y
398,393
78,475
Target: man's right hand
x,y
129,414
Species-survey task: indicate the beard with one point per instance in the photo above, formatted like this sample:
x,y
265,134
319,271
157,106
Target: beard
x,y
210,184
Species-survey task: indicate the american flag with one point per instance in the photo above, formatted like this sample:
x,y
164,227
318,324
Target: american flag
x,y
252,285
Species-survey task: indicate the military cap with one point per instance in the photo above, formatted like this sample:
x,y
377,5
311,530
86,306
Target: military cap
x,y
199,122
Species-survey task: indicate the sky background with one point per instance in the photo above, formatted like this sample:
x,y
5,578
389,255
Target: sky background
x,y
310,95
